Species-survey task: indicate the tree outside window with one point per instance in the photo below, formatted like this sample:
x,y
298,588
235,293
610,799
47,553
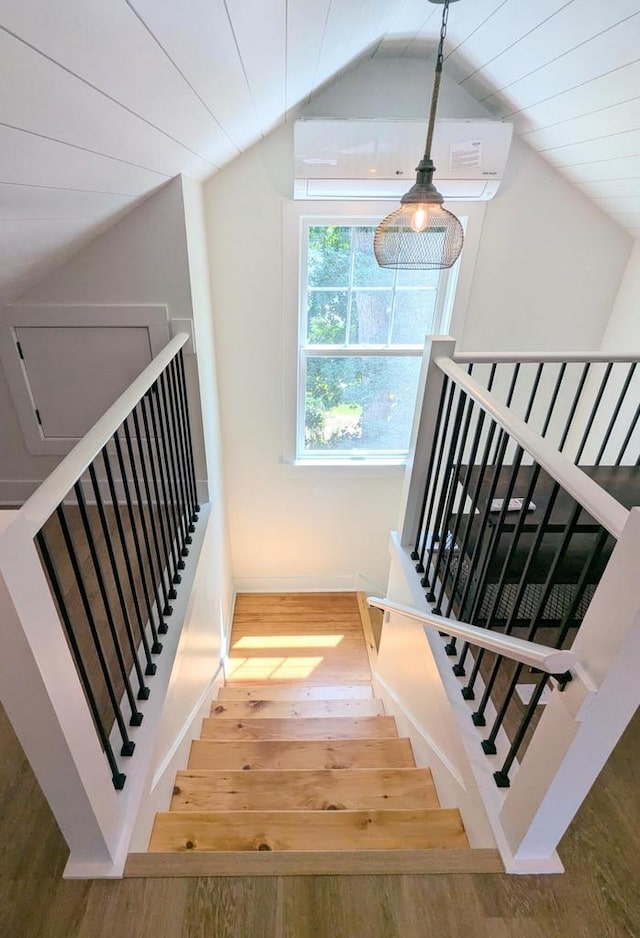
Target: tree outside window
x,y
362,336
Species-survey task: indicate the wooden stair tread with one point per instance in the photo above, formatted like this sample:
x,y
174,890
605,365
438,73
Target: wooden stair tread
x,y
289,691
308,830
299,728
320,789
301,754
280,709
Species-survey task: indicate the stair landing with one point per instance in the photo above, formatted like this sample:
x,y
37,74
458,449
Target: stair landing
x,y
307,774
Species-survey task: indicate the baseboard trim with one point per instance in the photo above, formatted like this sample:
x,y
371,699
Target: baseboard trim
x,y
296,584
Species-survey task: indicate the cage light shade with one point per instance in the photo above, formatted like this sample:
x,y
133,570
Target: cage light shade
x,y
418,236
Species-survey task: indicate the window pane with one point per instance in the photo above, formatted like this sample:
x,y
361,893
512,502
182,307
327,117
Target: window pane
x,y
413,317
370,317
360,404
329,256
327,317
366,272
419,278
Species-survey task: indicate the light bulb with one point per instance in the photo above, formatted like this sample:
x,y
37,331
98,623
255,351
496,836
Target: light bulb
x,y
419,219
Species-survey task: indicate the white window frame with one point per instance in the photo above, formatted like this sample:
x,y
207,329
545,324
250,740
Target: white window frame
x,y
298,216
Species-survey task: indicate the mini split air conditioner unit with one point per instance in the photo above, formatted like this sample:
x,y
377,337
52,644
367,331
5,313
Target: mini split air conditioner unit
x,y
375,159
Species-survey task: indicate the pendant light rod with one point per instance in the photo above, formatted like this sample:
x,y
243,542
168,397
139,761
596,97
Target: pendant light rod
x,y
436,82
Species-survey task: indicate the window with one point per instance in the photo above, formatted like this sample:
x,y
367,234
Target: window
x,y
362,333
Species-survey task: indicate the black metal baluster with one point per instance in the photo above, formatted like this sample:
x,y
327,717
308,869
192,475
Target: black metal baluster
x,y
167,610
420,567
156,646
415,553
583,581
439,534
478,716
173,474
628,436
594,411
189,440
179,449
128,745
136,715
510,393
494,540
150,668
616,412
154,583
503,440
472,510
554,398
574,405
117,776
501,777
488,745
467,691
534,391
143,691
168,514
449,510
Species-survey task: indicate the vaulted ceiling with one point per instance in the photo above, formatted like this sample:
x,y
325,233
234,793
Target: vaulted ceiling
x,y
101,102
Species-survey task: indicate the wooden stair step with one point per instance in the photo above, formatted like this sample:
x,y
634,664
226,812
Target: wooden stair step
x,y
308,830
319,790
283,709
299,728
301,754
295,692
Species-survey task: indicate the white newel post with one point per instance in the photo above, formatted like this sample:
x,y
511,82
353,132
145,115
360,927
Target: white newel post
x,y
43,698
423,435
579,727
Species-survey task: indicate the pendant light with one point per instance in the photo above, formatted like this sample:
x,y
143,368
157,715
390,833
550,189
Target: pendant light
x,y
422,234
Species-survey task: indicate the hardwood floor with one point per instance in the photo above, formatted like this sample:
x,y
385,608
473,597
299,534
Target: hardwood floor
x,y
598,897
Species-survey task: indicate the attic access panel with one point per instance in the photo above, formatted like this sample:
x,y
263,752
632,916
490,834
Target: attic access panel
x,y
74,374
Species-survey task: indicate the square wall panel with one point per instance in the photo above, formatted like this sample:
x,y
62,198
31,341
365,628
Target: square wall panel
x,y
74,374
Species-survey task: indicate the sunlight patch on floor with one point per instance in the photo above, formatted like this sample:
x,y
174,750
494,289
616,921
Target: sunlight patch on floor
x,y
266,669
288,641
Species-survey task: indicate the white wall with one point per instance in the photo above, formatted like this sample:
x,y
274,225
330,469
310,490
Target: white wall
x,y
548,267
141,260
290,523
623,331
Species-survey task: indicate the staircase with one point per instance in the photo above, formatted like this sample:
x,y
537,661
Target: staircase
x,y
301,777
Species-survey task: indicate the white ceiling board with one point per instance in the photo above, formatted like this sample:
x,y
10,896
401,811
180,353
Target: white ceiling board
x,y
611,49
198,37
627,167
263,54
621,84
612,188
305,32
505,27
29,159
624,204
83,34
403,20
20,202
574,26
602,148
39,96
610,120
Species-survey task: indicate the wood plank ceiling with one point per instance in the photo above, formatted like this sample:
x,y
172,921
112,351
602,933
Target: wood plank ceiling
x,y
101,102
